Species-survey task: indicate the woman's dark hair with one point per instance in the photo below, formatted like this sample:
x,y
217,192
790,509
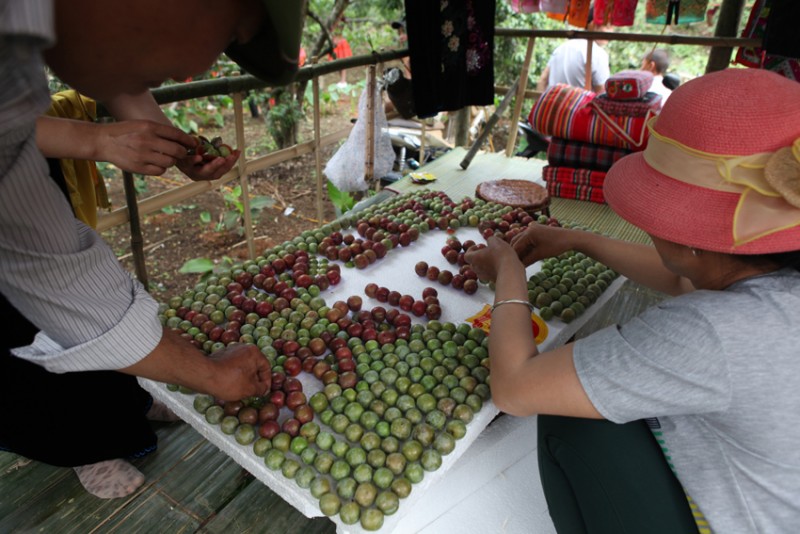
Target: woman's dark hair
x,y
782,260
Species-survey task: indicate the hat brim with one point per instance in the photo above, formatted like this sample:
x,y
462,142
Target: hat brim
x,y
273,54
683,213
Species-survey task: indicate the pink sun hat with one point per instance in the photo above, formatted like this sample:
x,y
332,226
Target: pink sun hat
x,y
721,170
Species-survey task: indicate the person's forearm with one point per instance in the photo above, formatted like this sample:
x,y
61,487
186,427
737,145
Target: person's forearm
x,y
139,106
56,138
511,342
640,263
175,361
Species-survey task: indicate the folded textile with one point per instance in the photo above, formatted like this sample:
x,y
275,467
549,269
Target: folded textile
x,y
649,103
628,84
563,111
576,192
579,155
574,176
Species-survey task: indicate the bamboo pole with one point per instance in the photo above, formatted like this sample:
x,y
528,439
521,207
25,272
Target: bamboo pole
x,y
137,241
520,98
422,143
369,163
247,216
587,83
317,154
488,128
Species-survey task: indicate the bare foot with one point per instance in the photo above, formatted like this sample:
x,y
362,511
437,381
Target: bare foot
x,y
159,412
110,479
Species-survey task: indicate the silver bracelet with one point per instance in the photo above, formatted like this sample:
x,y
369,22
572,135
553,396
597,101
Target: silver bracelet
x,y
512,301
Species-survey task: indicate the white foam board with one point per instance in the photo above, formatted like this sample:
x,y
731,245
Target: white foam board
x,y
396,271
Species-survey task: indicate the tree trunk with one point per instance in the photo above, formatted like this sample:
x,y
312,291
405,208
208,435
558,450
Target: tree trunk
x,y
461,118
730,13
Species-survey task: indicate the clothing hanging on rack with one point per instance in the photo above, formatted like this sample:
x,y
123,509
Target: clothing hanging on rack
x,y
759,57
615,12
675,11
451,50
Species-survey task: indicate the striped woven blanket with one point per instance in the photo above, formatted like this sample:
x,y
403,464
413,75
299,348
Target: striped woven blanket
x,y
566,153
564,111
578,184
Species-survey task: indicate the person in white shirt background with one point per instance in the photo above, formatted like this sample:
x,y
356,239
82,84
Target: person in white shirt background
x,y
568,62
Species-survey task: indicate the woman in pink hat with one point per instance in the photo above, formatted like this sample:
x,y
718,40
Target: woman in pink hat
x,y
712,373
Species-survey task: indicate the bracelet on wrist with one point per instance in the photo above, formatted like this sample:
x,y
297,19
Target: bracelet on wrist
x,y
512,301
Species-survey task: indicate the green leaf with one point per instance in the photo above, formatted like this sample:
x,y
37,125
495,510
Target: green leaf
x,y
341,199
169,210
205,217
260,202
230,219
193,127
197,265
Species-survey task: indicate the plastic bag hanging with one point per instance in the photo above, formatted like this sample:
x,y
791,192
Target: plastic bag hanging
x,y
346,168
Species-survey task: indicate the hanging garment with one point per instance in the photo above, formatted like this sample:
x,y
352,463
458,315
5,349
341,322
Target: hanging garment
x,y
85,187
780,34
524,6
451,47
615,12
675,11
576,14
554,7
758,57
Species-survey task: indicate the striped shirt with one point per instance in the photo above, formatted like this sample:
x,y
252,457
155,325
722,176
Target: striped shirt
x,y
55,270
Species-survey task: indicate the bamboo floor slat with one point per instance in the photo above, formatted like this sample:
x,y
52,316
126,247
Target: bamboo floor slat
x,y
192,486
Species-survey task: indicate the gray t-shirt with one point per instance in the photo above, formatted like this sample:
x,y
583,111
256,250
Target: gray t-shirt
x,y
568,64
720,370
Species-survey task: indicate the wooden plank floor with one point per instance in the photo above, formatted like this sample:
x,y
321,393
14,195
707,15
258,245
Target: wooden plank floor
x,y
193,487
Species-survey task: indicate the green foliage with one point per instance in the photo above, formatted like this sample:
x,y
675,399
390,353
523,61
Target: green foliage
x,y
342,200
282,119
206,267
232,217
172,210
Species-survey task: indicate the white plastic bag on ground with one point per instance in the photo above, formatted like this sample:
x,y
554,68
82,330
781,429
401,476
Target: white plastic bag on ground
x,y
346,168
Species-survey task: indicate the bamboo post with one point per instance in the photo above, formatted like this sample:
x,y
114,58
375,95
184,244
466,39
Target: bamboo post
x,y
369,163
137,241
489,125
520,99
422,143
317,134
247,217
588,73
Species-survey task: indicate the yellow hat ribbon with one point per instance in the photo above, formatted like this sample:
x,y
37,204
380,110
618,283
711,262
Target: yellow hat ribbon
x,y
768,182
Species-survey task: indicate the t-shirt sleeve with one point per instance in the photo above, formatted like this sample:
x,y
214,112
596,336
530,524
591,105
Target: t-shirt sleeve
x,y
667,361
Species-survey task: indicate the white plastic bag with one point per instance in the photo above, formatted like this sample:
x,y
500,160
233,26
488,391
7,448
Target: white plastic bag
x,y
346,168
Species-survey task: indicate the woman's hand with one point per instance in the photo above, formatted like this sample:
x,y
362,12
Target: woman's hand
x,y
141,146
198,169
540,241
487,261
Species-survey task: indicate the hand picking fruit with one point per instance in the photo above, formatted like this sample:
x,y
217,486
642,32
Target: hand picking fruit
x,y
211,149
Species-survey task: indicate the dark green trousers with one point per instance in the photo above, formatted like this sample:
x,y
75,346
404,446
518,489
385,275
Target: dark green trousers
x,y
601,477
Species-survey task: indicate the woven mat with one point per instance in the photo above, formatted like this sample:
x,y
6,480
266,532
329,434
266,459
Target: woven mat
x,y
459,183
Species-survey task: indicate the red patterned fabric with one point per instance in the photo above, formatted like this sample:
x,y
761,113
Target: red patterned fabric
x,y
650,103
628,84
615,12
563,111
578,155
576,192
571,175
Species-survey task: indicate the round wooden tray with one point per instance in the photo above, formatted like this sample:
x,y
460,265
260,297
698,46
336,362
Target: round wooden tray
x,y
516,193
